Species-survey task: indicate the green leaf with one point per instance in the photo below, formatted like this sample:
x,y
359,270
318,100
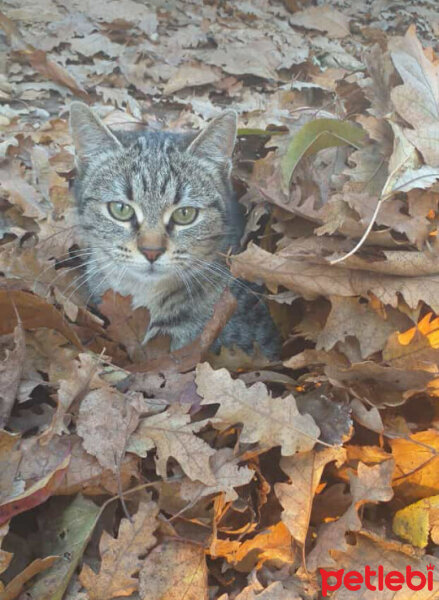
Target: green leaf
x,y
66,531
317,135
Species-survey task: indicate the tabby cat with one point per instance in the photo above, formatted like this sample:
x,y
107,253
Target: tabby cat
x,y
157,216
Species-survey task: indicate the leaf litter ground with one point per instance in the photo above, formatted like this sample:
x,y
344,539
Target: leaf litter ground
x,y
128,471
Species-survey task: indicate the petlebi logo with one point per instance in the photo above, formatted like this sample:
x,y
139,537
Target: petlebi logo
x,y
375,579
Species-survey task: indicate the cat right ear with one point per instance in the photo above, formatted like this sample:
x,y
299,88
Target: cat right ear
x,y
89,133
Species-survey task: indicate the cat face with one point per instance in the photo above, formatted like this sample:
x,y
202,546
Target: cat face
x,y
153,206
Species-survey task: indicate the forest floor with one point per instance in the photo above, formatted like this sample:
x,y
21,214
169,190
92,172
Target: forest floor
x,y
130,471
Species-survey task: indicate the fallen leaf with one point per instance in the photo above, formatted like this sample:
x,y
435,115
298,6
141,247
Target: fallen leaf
x,y
296,497
317,135
127,326
416,521
274,544
14,587
34,312
187,578
66,530
121,556
370,484
10,374
173,434
323,18
98,408
266,420
228,476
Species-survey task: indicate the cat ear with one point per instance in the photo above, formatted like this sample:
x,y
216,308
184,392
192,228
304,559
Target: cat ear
x,y
90,135
217,140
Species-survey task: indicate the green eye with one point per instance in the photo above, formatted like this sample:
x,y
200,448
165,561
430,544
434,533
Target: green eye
x,y
184,215
120,211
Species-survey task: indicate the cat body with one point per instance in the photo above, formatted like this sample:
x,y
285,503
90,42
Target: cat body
x,y
157,217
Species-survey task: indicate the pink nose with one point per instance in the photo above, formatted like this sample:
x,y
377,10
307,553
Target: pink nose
x,y
152,254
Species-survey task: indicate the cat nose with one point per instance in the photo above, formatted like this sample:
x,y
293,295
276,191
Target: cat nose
x,y
152,254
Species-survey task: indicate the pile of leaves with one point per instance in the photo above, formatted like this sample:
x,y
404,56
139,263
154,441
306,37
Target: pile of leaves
x,y
130,471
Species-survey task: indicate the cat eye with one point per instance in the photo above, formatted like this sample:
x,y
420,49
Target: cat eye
x,y
121,211
184,215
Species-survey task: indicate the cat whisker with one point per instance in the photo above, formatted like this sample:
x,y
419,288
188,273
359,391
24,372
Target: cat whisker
x,y
85,277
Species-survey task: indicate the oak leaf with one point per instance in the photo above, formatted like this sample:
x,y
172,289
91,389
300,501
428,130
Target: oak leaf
x,y
121,556
186,579
228,476
267,420
296,497
370,484
173,434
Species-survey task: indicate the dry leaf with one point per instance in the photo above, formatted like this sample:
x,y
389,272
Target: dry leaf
x,y
173,434
304,471
10,374
266,420
122,556
370,484
187,579
98,408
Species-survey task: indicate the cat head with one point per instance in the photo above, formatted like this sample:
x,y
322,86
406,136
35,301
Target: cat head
x,y
152,204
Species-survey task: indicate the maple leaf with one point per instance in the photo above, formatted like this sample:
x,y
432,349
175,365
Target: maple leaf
x,y
267,420
121,556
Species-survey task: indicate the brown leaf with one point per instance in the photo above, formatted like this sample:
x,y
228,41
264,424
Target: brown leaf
x,y
10,374
190,75
14,587
267,420
99,408
322,18
16,503
39,60
417,348
173,434
186,358
127,326
304,471
408,274
85,474
370,484
228,476
350,317
187,579
372,549
34,312
121,556
80,380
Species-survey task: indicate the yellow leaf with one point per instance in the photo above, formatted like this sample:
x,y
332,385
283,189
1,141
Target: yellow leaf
x,y
414,522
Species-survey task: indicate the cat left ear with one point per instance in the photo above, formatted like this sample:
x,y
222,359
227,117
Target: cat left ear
x,y
217,140
90,134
